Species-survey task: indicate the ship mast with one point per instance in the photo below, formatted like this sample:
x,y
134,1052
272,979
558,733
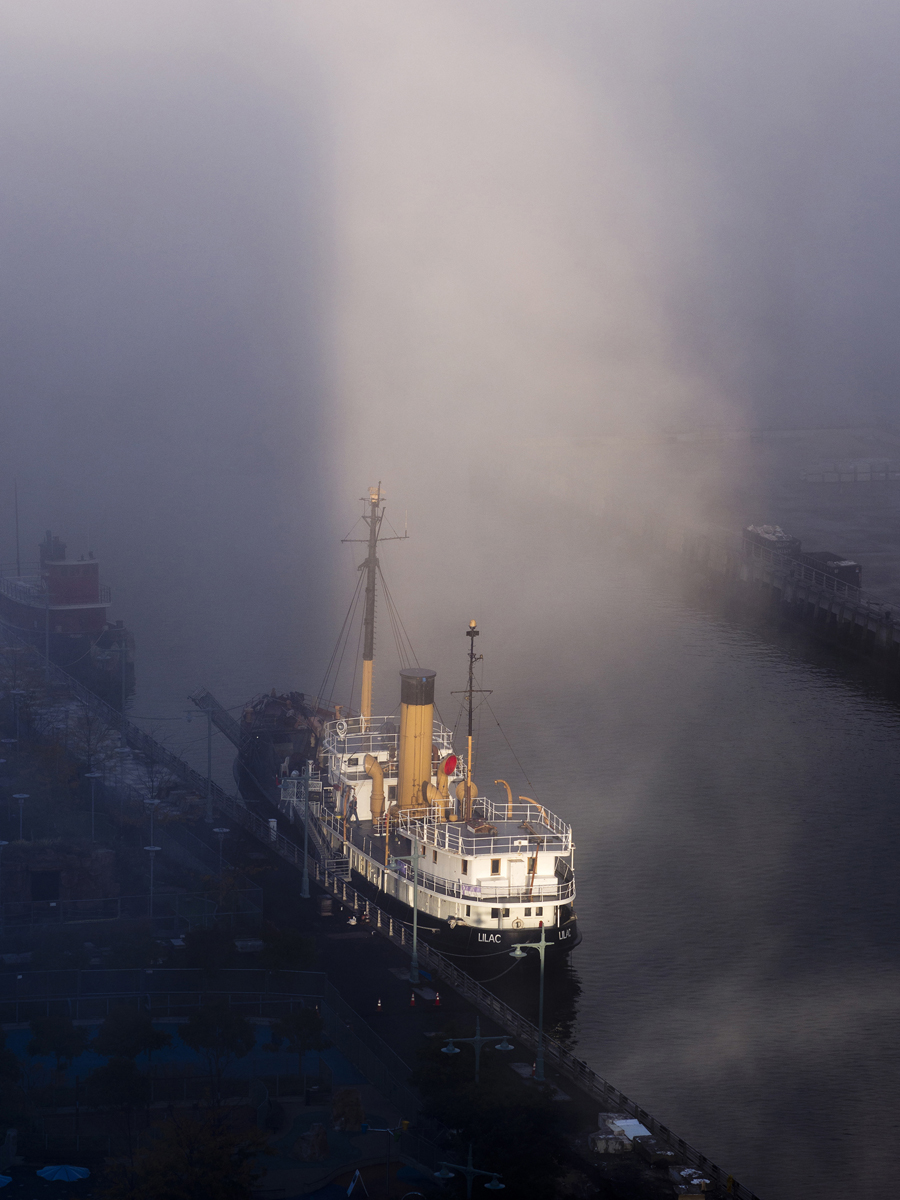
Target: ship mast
x,y
373,519
471,634
373,515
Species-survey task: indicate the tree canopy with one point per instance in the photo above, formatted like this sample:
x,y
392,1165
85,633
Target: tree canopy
x,y
128,1032
118,1084
301,1030
220,1034
56,1035
197,1157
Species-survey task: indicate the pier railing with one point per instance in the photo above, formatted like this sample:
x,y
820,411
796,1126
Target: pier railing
x,y
363,736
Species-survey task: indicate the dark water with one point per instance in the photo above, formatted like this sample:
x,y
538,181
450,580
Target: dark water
x,y
735,809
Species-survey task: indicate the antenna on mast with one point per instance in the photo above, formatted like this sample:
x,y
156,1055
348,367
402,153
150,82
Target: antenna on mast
x,y
471,633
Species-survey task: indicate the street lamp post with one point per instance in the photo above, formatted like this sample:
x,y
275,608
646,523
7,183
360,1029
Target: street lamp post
x,y
153,849
92,776
152,805
17,692
414,859
21,797
470,1172
123,753
220,833
304,880
477,1042
517,952
189,716
209,808
2,844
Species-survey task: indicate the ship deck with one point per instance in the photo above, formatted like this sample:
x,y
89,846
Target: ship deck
x,y
368,838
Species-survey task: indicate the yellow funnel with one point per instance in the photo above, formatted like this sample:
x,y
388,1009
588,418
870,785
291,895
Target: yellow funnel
x,y
416,722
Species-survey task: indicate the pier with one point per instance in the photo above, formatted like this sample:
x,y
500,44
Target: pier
x,y
832,611
330,875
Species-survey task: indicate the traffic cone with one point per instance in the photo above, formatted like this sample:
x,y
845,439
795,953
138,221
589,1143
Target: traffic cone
x,y
437,999
379,1004
412,999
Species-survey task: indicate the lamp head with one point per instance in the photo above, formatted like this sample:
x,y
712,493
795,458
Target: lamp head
x,y
450,1048
495,1185
517,953
506,1044
443,1173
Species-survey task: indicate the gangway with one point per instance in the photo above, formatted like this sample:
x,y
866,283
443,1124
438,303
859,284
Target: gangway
x,y
221,717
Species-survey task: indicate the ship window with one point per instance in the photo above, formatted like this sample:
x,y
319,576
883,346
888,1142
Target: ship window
x,y
434,856
352,762
423,849
464,865
532,865
468,910
495,866
527,912
539,912
506,912
392,791
495,913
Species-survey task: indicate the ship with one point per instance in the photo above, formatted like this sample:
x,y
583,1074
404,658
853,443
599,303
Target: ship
x,y
392,804
59,605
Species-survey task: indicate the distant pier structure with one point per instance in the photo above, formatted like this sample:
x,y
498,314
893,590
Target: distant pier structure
x,y
766,568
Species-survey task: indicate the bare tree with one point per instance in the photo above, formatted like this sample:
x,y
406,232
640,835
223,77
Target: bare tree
x,y
150,761
92,737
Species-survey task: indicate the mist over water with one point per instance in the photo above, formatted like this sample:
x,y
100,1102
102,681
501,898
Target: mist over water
x,y
736,834
257,258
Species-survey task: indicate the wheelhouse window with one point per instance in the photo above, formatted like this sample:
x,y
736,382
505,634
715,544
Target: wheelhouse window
x,y
532,864
506,912
495,913
539,912
527,912
495,866
434,856
352,762
392,791
464,866
468,910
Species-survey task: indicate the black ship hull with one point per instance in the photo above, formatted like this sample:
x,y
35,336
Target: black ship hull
x,y
466,945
